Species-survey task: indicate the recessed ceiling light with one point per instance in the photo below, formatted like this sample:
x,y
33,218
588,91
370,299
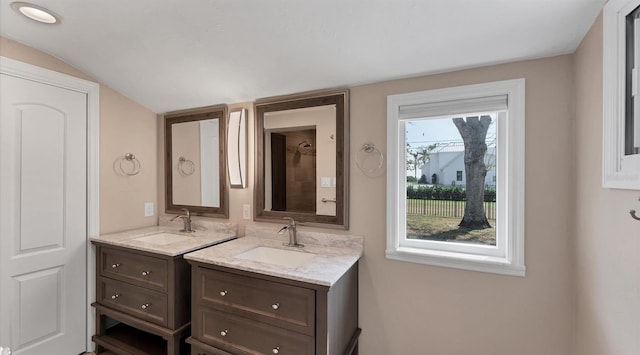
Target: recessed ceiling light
x,y
35,12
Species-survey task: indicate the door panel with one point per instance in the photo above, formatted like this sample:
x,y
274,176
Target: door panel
x,y
40,142
42,218
279,172
38,293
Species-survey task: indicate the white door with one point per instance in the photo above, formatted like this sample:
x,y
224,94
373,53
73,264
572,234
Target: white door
x,y
43,214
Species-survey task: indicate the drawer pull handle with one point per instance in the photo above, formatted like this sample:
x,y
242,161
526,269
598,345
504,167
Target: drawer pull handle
x,y
145,306
146,273
224,332
115,266
113,297
275,306
276,350
223,293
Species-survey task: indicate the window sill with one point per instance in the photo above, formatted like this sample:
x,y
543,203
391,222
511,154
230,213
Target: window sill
x,y
481,263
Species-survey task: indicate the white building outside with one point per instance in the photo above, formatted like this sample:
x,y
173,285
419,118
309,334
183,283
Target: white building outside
x,y
446,165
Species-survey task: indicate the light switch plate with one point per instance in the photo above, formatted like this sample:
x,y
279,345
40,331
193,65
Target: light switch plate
x,y
325,182
246,211
148,209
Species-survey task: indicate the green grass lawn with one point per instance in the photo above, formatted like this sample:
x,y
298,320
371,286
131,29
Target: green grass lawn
x,y
446,229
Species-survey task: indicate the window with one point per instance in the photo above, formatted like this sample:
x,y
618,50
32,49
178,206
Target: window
x,y
477,224
632,94
621,116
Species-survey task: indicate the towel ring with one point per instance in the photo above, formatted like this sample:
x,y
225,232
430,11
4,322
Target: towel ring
x,y
191,167
634,215
135,165
369,148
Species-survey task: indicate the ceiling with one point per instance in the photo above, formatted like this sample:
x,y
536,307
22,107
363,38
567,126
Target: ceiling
x,y
176,54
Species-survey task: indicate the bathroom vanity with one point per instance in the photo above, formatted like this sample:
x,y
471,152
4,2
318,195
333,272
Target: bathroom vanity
x,y
143,289
253,295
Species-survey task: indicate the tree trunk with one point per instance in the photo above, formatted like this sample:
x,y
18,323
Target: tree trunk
x,y
474,134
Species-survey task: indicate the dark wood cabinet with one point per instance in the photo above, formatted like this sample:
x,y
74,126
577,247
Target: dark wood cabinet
x,y
149,295
239,312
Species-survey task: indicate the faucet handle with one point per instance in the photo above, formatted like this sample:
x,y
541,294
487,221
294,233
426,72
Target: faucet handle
x,y
186,212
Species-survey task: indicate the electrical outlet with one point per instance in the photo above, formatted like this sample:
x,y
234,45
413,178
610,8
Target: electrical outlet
x,y
148,209
246,211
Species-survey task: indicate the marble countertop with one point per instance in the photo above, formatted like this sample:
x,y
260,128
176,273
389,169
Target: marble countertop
x,y
202,237
334,254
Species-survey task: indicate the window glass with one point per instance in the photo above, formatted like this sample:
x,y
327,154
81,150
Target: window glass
x,y
443,209
632,101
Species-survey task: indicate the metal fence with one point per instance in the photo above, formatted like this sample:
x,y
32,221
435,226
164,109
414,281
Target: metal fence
x,y
444,208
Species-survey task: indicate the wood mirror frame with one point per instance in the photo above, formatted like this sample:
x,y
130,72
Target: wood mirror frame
x,y
204,113
339,98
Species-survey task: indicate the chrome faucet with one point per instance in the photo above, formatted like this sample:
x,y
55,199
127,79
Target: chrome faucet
x,y
186,219
293,237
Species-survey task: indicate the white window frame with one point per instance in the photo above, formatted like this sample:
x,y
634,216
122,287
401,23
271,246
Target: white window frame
x,y
619,171
507,257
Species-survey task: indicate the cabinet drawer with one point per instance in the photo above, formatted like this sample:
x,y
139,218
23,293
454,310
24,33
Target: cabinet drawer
x,y
198,348
135,268
279,304
135,300
243,336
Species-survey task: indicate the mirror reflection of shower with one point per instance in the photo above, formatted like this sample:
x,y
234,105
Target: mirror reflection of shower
x,y
299,153
304,147
304,144
293,169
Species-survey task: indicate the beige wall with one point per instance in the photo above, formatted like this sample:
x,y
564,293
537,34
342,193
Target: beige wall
x,y
125,127
607,239
410,308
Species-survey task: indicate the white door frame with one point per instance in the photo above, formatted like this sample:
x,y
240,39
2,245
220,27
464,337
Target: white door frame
x,y
92,90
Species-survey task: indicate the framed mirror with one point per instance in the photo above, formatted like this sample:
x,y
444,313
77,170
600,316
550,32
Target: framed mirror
x,y
302,158
195,161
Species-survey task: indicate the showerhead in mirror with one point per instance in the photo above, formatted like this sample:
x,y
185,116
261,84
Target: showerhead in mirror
x,y
304,144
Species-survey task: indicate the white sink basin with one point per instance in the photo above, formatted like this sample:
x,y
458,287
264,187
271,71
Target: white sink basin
x,y
163,238
282,257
